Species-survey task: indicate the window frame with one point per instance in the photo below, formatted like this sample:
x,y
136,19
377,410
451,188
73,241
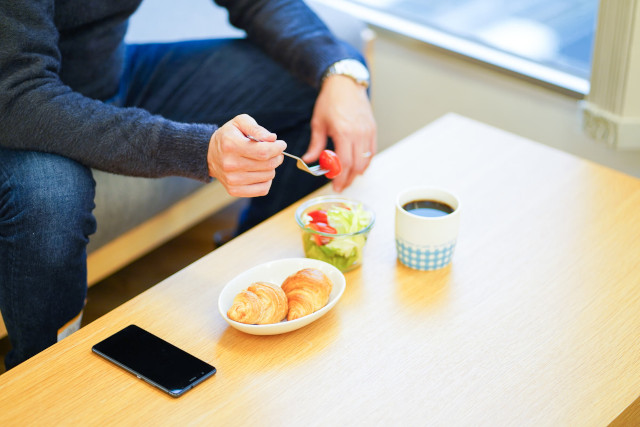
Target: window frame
x,y
555,79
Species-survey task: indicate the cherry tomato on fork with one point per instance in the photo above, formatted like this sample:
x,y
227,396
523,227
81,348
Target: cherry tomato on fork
x,y
329,160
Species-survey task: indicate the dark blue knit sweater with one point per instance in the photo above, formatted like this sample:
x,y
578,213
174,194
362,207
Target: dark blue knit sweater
x,y
60,58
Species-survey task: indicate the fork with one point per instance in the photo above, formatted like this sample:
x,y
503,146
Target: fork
x,y
313,170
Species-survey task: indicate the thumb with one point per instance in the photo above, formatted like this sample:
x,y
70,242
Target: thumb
x,y
248,126
316,145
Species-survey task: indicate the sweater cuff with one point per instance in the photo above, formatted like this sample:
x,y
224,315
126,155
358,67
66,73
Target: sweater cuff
x,y
324,60
183,150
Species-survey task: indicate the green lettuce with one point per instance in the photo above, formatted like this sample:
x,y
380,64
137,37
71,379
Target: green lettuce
x,y
342,252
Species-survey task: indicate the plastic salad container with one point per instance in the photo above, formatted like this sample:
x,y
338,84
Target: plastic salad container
x,y
335,230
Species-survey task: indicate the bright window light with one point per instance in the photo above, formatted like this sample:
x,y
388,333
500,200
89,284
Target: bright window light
x,y
554,33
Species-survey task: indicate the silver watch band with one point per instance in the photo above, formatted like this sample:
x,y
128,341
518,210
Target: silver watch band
x,y
349,68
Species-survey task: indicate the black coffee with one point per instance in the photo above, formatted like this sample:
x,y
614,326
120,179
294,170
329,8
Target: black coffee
x,y
428,208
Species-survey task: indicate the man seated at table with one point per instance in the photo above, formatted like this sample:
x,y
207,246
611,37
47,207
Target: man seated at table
x,y
74,97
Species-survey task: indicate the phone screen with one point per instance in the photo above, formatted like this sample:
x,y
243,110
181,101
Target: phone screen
x,y
154,360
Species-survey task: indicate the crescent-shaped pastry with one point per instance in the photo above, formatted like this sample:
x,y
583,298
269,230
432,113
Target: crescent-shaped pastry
x,y
307,291
260,304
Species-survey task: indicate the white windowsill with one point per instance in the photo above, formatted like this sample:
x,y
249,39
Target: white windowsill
x,y
547,76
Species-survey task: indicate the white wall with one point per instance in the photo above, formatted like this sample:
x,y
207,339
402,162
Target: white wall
x,y
171,20
415,84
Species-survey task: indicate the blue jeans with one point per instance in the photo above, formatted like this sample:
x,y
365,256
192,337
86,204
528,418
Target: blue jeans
x,y
46,201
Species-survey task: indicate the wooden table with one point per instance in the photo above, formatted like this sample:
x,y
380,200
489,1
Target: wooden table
x,y
536,322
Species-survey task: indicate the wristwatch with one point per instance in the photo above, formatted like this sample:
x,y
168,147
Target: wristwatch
x,y
349,68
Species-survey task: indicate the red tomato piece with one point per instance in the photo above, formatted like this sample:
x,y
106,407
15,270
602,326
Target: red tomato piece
x,y
323,228
330,161
319,216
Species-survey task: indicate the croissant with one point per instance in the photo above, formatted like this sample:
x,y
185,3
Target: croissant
x,y
259,304
307,291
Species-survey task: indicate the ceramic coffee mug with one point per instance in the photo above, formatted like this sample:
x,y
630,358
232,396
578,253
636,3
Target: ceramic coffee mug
x,y
427,222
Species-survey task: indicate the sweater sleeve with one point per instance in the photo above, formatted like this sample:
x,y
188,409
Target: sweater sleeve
x,y
39,112
291,34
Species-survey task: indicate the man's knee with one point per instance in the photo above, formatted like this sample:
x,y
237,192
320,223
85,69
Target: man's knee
x,y
46,199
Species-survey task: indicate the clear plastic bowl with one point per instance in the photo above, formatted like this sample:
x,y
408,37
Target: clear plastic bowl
x,y
343,251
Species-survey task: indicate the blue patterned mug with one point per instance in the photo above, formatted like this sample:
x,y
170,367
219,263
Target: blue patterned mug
x,y
427,222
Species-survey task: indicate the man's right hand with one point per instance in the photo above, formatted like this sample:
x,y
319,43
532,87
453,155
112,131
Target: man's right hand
x,y
245,168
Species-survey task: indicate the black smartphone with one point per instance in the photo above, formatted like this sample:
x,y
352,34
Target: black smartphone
x,y
154,360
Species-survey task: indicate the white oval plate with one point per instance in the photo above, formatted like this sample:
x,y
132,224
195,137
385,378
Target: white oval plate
x,y
276,272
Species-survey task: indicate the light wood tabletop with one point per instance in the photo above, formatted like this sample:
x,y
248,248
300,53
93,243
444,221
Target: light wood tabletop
x,y
536,321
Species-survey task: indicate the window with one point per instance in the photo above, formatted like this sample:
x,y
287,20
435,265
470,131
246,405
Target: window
x,y
549,40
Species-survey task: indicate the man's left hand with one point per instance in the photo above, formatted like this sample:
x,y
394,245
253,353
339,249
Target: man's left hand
x,y
343,112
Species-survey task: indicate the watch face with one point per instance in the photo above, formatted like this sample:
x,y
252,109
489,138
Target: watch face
x,y
349,68
353,69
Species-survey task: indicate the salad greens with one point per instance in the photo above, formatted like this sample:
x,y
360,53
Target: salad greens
x,y
342,251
